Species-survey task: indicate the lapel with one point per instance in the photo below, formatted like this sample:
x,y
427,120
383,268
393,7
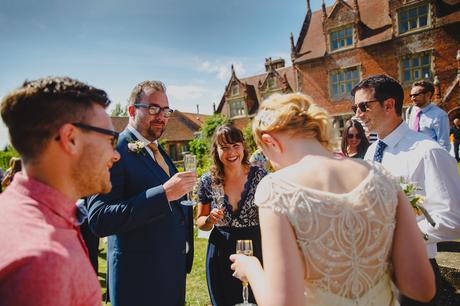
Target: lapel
x,y
157,170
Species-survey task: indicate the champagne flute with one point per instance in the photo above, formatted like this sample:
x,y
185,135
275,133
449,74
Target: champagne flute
x,y
244,247
218,194
189,165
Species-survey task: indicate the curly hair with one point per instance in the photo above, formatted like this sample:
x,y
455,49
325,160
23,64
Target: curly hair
x,y
295,114
225,134
35,111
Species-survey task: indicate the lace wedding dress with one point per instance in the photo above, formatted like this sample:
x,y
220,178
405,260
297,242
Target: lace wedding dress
x,y
345,238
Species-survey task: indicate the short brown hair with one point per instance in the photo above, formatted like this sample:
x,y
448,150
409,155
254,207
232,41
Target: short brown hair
x,y
35,111
139,89
427,85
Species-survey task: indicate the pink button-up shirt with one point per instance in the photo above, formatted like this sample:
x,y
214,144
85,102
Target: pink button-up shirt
x,y
43,260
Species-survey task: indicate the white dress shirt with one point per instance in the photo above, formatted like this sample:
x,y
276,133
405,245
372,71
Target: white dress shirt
x,y
434,122
424,162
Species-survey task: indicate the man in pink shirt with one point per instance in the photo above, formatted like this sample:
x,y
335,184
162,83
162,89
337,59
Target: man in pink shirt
x,y
67,144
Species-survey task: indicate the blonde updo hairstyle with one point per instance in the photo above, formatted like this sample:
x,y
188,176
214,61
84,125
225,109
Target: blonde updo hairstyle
x,y
295,114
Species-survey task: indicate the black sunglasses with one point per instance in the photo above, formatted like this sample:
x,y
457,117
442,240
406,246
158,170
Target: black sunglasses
x,y
114,140
156,109
363,106
417,94
351,136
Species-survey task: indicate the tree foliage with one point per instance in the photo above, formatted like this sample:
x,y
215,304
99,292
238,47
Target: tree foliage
x,y
119,111
249,138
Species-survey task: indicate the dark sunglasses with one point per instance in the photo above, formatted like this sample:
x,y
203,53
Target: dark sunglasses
x,y
156,109
351,136
363,106
96,129
417,94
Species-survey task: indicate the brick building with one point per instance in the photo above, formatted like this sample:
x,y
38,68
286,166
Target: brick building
x,y
241,98
407,39
180,130
339,45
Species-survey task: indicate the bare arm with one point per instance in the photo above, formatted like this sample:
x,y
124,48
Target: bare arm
x,y
413,273
281,282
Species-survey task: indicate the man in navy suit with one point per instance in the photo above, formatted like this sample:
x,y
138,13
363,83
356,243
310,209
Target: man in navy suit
x,y
150,244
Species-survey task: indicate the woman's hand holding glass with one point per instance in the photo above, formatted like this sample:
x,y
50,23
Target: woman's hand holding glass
x,y
217,213
242,261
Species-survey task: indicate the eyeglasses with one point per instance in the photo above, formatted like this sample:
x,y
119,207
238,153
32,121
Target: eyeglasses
x,y
363,106
96,129
417,94
351,136
156,109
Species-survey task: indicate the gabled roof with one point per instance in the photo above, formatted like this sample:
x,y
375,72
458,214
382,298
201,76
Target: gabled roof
x,y
119,123
252,86
375,27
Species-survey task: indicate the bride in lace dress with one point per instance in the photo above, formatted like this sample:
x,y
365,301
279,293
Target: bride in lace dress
x,y
335,231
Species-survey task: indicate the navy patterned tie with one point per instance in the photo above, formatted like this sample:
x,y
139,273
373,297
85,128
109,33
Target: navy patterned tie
x,y
378,155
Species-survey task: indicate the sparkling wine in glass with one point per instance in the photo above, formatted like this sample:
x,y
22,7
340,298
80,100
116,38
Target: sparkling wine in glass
x,y
218,194
245,247
189,165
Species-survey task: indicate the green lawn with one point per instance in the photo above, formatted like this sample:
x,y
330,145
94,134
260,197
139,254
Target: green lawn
x,y
197,291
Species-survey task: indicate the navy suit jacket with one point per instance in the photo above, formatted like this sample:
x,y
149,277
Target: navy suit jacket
x,y
146,257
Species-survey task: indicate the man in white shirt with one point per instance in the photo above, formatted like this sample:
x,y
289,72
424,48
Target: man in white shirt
x,y
425,117
404,153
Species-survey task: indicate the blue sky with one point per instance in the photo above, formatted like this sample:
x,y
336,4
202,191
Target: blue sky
x,y
114,44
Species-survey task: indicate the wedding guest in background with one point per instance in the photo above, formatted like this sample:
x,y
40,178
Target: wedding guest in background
x,y
67,151
150,243
413,156
231,217
14,167
455,131
354,140
426,117
258,159
331,227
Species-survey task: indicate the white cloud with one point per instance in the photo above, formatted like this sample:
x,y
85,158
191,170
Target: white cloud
x,y
186,97
222,68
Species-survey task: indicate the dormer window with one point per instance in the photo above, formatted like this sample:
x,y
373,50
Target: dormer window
x,y
271,82
235,90
341,38
237,108
413,18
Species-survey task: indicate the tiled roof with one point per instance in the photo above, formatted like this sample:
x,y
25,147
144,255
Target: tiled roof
x,y
252,83
181,126
119,123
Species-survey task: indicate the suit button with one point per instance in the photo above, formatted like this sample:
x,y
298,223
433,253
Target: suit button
x,y
184,252
182,222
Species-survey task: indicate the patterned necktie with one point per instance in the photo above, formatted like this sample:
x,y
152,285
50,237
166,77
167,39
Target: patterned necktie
x,y
416,123
378,155
158,157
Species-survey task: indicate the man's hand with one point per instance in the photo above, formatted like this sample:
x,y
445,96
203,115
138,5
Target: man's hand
x,y
179,184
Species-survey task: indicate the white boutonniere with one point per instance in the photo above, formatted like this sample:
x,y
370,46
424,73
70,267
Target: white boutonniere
x,y
136,146
416,200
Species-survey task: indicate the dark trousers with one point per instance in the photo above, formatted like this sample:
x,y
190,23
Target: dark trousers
x,y
405,301
456,145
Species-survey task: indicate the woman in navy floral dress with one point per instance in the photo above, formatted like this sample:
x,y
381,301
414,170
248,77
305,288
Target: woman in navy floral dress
x,y
226,207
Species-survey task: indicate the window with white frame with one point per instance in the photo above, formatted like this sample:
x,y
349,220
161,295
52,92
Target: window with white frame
x,y
341,38
237,108
413,18
342,81
416,67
